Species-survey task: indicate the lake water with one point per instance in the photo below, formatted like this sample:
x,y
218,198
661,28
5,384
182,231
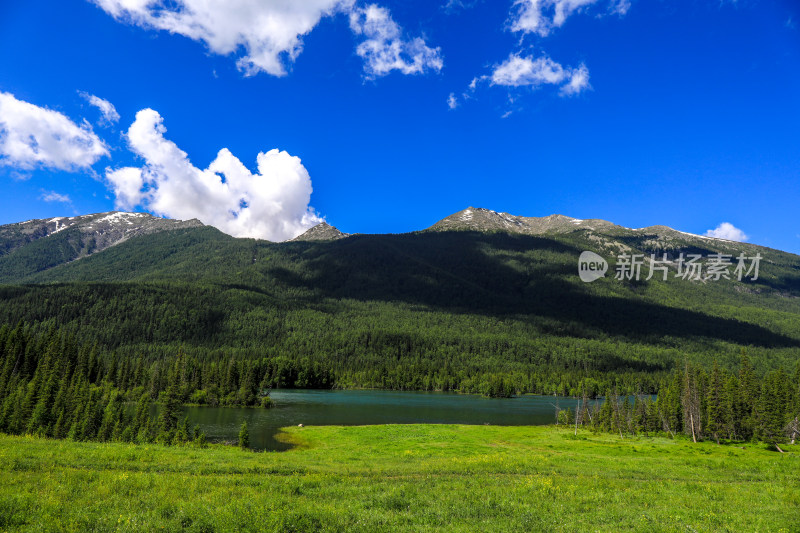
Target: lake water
x,y
354,408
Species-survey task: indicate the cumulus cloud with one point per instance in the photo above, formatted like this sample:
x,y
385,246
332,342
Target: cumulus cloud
x,y
108,113
386,49
270,32
526,71
53,196
33,136
728,231
127,183
270,204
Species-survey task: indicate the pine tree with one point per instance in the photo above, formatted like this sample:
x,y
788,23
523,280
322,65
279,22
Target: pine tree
x,y
605,417
714,403
748,393
141,418
112,418
669,405
244,436
199,437
9,417
248,394
730,408
59,430
793,427
170,413
92,415
182,433
770,411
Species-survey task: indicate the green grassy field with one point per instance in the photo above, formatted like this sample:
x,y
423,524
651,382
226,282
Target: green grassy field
x,y
402,478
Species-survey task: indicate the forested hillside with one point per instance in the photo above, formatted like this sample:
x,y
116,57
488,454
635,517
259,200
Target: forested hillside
x,y
476,311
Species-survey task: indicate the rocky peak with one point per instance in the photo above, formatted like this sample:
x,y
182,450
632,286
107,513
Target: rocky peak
x,y
101,230
480,219
321,232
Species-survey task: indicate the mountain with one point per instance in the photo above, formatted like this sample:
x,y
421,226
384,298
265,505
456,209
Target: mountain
x,y
37,245
605,234
480,219
321,232
478,296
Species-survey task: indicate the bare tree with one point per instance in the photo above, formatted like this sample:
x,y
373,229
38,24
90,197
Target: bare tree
x,y
665,423
582,411
793,428
617,411
690,400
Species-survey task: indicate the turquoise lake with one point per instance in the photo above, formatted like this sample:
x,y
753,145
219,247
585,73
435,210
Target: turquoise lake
x,y
370,407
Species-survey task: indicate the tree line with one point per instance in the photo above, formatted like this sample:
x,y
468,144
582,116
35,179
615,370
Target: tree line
x,y
54,385
716,404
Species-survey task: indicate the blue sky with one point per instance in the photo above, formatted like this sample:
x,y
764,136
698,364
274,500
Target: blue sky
x,y
683,113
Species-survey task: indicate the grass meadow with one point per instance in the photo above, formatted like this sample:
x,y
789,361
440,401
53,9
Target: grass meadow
x,y
402,478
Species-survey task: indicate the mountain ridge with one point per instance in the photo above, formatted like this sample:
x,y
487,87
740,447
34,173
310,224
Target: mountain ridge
x,y
487,220
40,244
108,228
482,219
30,248
469,219
450,307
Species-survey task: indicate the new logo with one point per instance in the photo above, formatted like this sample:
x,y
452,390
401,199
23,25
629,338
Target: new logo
x,y
591,267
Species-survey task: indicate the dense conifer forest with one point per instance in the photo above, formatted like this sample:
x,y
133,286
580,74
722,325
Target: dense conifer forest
x,y
55,386
194,316
718,405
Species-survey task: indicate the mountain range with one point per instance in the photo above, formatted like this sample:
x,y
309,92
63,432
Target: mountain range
x,y
479,292
81,236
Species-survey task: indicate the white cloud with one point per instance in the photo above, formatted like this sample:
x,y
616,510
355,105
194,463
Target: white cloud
x,y
517,71
728,231
525,71
541,16
108,112
620,7
268,34
578,81
385,48
127,183
452,101
32,136
53,196
270,204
